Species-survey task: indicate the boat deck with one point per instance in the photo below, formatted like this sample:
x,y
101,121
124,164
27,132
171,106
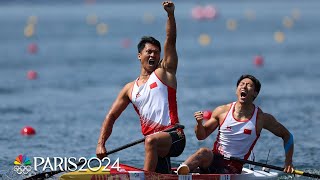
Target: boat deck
x,y
128,172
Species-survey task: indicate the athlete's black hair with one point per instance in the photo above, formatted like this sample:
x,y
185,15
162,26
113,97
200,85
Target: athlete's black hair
x,y
148,39
257,84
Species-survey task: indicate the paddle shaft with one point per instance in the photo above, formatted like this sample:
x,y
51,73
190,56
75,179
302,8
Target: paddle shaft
x,y
45,175
177,126
272,167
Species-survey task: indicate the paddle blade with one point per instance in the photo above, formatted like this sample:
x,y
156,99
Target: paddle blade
x,y
306,174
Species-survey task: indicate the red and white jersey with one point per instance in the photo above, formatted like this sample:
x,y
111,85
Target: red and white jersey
x,y
155,104
236,138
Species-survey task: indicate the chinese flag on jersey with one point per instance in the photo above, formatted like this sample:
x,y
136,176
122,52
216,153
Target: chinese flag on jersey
x,y
247,131
153,85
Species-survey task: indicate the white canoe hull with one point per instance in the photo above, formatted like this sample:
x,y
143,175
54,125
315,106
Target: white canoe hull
x,y
132,173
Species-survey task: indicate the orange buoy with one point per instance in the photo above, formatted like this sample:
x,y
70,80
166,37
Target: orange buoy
x,y
126,43
197,13
207,115
258,61
33,48
28,131
32,75
209,12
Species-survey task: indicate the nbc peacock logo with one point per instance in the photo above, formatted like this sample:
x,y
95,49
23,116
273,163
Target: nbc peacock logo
x,y
22,164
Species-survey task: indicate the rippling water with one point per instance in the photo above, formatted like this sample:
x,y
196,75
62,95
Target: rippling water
x,y
81,72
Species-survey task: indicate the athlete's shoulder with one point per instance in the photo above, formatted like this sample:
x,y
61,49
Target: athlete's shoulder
x,y
226,106
127,87
223,108
130,84
159,71
264,116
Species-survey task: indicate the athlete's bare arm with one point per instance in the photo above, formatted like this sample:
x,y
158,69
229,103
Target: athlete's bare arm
x,y
169,64
271,124
204,130
170,59
118,106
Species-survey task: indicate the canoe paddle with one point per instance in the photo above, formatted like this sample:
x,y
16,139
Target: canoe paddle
x,y
298,172
45,175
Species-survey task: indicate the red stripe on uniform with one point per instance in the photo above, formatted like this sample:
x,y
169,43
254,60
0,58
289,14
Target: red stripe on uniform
x,y
248,154
226,114
215,145
144,129
173,109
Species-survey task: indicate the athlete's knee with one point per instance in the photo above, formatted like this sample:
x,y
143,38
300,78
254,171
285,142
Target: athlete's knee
x,y
204,151
150,142
204,155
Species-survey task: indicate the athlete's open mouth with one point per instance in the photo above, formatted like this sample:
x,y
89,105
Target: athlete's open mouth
x,y
151,62
243,94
